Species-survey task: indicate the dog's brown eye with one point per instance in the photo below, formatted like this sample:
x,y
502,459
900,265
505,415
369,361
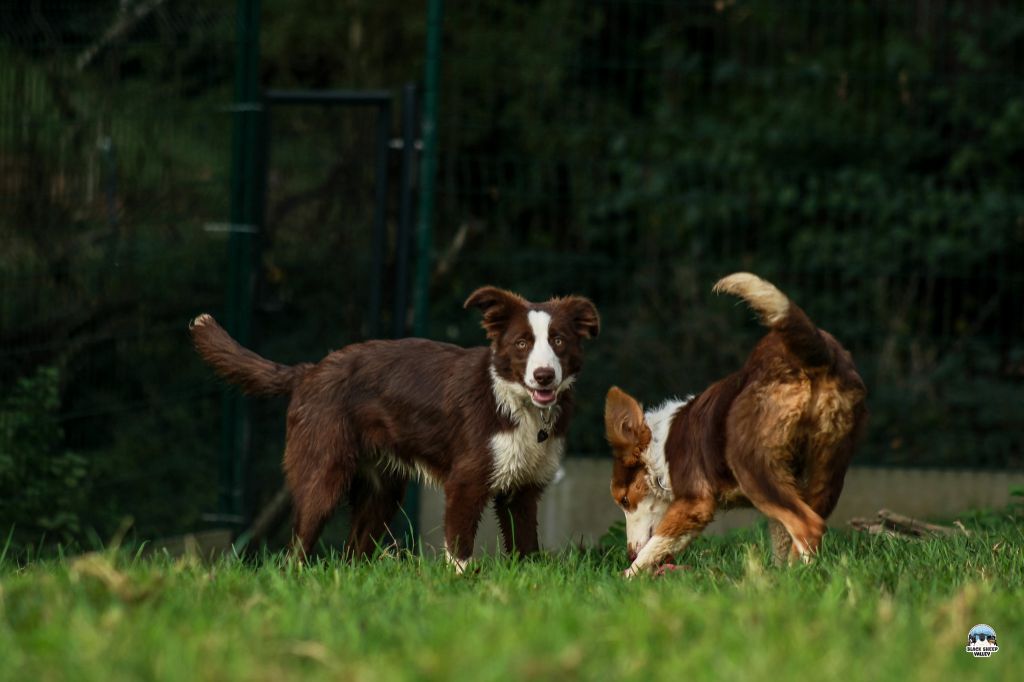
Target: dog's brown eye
x,y
521,344
557,341
624,501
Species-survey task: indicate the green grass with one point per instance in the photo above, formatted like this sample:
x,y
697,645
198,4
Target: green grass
x,y
870,608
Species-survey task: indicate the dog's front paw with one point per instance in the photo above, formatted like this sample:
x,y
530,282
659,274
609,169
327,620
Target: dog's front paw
x,y
633,571
460,565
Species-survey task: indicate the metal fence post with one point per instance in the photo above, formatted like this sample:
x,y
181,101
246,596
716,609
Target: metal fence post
x,y
428,166
245,218
380,227
405,210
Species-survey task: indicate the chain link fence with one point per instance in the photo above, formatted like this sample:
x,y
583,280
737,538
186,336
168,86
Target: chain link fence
x,y
114,158
864,156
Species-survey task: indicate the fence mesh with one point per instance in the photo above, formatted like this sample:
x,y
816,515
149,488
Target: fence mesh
x,y
114,156
864,156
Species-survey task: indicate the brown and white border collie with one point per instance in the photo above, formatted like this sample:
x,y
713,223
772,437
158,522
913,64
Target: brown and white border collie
x,y
483,423
777,434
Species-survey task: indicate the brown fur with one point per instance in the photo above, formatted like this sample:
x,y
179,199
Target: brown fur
x,y
778,434
429,405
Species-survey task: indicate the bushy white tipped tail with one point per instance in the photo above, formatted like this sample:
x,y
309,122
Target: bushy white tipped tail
x,y
769,303
798,332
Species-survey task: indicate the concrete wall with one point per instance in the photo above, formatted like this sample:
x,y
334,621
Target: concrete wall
x,y
578,508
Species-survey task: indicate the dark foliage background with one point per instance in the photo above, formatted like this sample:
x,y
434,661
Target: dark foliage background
x,y
868,157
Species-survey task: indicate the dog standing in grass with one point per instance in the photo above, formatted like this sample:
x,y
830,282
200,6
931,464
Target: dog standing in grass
x,y
778,434
484,423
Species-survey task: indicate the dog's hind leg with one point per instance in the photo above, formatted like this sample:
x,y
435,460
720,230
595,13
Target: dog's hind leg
x,y
823,487
315,502
782,543
770,488
375,498
804,525
827,463
319,469
828,458
826,466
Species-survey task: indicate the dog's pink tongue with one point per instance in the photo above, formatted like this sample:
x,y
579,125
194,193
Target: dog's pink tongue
x,y
543,395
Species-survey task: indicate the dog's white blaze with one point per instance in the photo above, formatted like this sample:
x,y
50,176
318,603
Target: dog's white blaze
x,y
518,457
642,521
657,549
542,354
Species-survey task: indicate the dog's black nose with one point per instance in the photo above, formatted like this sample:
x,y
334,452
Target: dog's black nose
x,y
544,375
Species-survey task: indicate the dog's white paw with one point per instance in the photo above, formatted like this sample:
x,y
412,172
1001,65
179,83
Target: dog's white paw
x,y
458,564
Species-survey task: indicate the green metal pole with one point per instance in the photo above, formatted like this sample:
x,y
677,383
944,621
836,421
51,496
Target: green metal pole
x,y
428,171
245,209
428,167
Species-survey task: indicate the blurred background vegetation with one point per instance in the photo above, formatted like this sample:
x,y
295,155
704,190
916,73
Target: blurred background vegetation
x,y
866,156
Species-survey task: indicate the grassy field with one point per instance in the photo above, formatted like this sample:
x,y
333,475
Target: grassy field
x,y
871,608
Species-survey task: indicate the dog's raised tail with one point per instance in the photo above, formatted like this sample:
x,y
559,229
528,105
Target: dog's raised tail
x,y
799,333
238,365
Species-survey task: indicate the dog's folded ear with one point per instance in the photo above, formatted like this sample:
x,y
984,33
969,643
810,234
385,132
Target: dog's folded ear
x,y
585,320
624,425
498,305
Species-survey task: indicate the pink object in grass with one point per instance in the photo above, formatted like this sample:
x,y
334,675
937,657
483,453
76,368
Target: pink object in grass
x,y
665,569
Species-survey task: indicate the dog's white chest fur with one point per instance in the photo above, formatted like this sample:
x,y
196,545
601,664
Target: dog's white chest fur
x,y
519,458
660,420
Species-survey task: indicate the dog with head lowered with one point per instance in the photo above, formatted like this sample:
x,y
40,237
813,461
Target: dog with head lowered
x,y
778,435
483,423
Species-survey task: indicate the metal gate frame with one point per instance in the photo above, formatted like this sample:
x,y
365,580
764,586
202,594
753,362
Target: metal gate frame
x,y
236,446
249,152
381,100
